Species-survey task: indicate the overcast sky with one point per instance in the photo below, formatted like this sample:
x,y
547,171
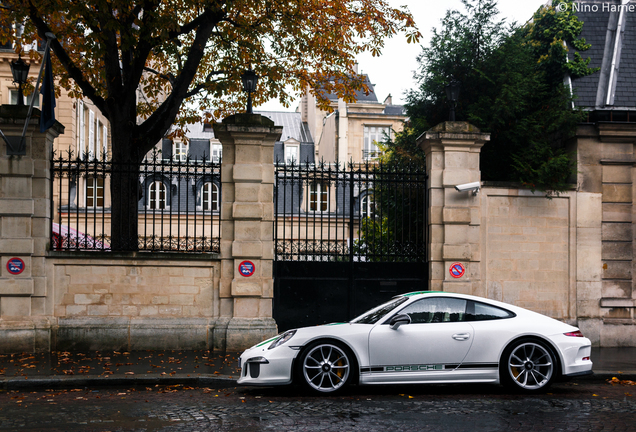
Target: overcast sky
x,y
392,73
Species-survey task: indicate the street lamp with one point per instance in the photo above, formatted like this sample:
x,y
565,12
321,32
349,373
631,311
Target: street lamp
x,y
452,94
249,79
20,72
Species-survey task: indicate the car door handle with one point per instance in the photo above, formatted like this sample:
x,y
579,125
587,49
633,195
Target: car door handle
x,y
461,336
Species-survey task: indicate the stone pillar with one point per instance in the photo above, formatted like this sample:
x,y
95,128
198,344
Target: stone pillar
x,y
247,236
452,158
25,209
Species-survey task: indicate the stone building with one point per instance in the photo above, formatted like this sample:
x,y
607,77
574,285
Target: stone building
x,y
350,132
606,160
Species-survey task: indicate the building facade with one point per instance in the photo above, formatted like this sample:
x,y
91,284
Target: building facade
x,y
351,131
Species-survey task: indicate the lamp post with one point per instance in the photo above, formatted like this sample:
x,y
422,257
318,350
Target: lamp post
x,y
452,94
20,72
250,79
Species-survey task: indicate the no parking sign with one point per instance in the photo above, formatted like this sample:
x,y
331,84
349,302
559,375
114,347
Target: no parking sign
x,y
15,266
457,270
246,268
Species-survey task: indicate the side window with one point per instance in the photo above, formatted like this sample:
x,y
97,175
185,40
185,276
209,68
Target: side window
x,y
436,309
482,312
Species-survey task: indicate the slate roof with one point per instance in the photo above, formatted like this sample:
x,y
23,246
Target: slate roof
x,y
394,110
199,131
599,30
360,95
293,126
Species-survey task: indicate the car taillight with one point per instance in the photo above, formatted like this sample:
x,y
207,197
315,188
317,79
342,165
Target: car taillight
x,y
585,359
574,334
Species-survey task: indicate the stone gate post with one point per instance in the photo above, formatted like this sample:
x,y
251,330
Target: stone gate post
x,y
25,230
247,236
452,158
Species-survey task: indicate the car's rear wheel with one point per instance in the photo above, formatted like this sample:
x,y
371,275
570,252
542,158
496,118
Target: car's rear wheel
x,y
528,365
325,367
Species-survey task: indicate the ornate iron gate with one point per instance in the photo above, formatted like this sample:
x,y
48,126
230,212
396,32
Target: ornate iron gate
x,y
346,239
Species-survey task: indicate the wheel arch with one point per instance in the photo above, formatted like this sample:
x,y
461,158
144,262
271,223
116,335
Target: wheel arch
x,y
328,339
555,350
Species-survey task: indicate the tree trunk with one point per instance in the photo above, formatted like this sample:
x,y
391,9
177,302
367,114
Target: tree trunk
x,y
125,190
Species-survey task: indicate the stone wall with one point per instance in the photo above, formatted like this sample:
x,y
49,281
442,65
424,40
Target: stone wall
x,y
605,177
569,257
109,300
528,250
145,302
134,287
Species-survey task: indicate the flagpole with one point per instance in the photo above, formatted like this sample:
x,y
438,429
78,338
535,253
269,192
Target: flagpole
x,y
49,37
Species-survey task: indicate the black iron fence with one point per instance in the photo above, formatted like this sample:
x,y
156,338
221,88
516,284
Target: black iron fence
x,y
358,213
177,210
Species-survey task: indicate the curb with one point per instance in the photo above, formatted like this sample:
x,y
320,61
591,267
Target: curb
x,y
20,383
60,382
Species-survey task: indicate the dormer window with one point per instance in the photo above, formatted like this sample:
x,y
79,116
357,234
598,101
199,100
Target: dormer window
x,y
292,152
179,152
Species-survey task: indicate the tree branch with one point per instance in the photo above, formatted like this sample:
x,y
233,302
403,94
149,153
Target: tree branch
x,y
73,71
155,126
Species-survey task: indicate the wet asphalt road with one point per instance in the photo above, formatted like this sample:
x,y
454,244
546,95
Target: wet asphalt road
x,y
584,405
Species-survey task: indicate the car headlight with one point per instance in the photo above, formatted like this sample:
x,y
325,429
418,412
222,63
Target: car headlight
x,y
282,339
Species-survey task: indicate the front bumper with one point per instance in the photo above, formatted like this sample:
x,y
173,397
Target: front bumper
x,y
260,366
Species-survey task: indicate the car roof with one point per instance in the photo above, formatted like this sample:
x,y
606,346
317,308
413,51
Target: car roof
x,y
513,308
422,294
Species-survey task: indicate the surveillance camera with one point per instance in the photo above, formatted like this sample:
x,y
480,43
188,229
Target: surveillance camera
x,y
474,187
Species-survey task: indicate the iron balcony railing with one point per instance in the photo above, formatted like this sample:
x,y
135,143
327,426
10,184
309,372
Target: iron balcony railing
x,y
177,210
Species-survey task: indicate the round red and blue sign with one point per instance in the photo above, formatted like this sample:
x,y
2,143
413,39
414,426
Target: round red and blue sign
x,y
246,268
15,266
457,270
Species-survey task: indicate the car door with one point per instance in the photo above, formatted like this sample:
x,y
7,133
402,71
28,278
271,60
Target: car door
x,y
436,341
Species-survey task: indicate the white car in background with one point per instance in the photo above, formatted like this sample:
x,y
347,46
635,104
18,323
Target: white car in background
x,y
424,337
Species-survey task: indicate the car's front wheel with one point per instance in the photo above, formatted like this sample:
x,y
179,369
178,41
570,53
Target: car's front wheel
x,y
528,365
325,367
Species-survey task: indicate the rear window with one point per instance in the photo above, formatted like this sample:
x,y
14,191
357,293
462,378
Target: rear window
x,y
484,312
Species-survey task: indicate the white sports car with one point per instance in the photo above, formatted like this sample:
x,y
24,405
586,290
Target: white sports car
x,y
424,337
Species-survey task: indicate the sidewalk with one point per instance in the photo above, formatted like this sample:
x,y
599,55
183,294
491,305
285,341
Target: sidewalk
x,y
195,368
112,368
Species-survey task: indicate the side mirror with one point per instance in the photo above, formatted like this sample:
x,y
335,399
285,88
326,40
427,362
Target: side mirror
x,y
399,320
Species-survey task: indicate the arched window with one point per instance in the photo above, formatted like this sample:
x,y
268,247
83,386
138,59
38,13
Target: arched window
x,y
210,196
367,206
157,196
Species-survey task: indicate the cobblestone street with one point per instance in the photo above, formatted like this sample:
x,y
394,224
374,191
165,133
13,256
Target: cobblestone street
x,y
575,406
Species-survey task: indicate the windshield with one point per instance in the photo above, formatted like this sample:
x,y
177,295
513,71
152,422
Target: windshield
x,y
374,315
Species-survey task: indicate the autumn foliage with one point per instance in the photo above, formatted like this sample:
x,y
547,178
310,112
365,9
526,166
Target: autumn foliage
x,y
149,64
155,62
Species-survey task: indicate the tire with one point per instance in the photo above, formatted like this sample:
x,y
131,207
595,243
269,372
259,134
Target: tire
x,y
528,365
325,367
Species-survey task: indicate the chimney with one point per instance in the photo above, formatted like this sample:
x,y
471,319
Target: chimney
x,y
388,100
